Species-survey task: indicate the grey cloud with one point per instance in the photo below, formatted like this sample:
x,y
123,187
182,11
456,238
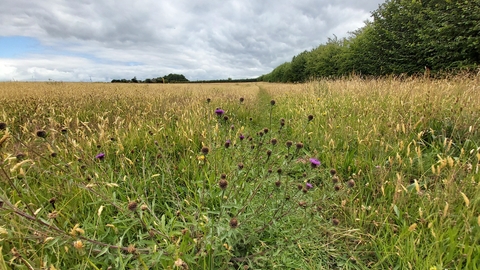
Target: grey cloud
x,y
201,39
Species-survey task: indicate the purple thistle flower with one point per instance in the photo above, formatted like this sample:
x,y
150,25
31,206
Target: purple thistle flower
x,y
241,137
100,156
314,162
219,112
308,185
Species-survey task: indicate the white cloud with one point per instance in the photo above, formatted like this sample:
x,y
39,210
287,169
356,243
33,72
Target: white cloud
x,y
201,39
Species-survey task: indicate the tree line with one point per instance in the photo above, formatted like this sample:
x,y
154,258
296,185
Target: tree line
x,y
180,78
170,78
405,37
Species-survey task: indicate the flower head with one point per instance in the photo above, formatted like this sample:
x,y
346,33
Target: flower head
x,y
219,112
100,156
308,185
314,162
241,137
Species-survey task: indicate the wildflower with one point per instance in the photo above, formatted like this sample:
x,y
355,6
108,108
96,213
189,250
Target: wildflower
x,y
240,166
131,249
227,143
78,244
100,156
223,183
181,264
289,144
273,141
3,125
351,183
299,145
144,207
308,185
232,127
337,187
223,176
335,221
219,112
314,162
282,122
335,179
278,183
208,100
41,133
265,130
241,99
225,118
333,172
132,206
269,153
272,102
64,130
241,137
310,117
205,150
233,223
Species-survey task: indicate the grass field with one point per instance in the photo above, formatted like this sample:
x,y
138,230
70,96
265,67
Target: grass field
x,y
347,174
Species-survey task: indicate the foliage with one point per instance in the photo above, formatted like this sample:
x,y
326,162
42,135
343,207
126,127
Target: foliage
x,y
351,174
405,37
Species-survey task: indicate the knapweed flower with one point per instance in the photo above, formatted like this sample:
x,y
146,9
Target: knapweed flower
x,y
227,143
223,183
41,133
314,162
350,183
308,185
233,223
241,137
219,112
100,156
3,125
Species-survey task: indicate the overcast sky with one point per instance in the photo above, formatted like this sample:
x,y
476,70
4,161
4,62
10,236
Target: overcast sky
x,y
101,40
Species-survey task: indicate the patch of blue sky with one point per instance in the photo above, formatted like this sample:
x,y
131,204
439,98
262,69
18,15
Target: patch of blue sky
x,y
22,46
18,46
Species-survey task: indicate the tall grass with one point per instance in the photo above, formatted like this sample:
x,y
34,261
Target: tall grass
x,y
223,176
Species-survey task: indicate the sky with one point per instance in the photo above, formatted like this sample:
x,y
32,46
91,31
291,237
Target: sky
x,y
101,40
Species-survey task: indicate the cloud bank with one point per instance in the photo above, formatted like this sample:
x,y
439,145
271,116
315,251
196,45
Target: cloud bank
x,y
104,40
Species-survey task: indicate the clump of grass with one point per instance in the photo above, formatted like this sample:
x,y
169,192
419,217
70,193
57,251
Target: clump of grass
x,y
331,174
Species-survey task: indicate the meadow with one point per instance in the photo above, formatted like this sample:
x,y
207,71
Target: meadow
x,y
344,174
